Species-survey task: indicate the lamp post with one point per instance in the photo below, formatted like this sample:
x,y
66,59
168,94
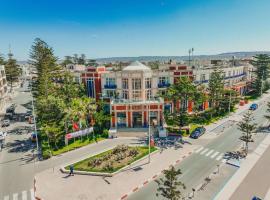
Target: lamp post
x,y
230,99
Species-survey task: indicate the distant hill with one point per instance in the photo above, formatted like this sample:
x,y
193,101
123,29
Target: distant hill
x,y
228,55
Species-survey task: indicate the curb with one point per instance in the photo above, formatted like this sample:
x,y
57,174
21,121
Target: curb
x,y
146,182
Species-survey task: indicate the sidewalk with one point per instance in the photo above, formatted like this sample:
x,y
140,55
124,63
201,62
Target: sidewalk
x,y
246,166
52,184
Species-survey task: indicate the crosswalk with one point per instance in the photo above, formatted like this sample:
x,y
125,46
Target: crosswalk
x,y
211,153
24,195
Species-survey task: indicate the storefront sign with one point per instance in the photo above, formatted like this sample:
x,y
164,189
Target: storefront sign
x,y
79,133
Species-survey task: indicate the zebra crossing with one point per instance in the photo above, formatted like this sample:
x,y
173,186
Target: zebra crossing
x,y
24,195
211,153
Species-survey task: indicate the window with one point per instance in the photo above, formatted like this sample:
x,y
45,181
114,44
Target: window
x,y
148,94
125,83
148,83
136,84
110,81
163,80
136,95
125,94
229,74
110,93
202,77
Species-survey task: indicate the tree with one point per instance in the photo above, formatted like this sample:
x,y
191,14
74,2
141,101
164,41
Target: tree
x,y
2,60
216,87
82,59
228,100
66,61
12,70
100,118
247,127
268,110
261,63
169,187
42,57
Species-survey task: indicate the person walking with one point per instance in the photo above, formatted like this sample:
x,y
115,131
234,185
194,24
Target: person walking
x,y
71,168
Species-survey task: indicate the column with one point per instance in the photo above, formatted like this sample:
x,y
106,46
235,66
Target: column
x,y
115,121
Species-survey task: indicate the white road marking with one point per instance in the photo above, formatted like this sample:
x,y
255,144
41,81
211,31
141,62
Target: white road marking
x,y
224,160
209,152
215,154
32,194
6,197
15,196
24,195
219,157
204,151
198,150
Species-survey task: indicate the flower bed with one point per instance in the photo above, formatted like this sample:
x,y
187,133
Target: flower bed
x,y
112,160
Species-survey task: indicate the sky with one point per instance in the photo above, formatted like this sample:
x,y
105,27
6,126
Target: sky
x,y
111,28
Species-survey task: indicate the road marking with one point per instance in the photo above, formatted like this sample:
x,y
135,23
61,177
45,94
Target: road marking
x,y
24,195
224,160
209,152
219,157
32,194
15,196
6,197
198,150
215,154
204,151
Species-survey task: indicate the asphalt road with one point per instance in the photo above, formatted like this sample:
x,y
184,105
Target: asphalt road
x,y
17,165
199,165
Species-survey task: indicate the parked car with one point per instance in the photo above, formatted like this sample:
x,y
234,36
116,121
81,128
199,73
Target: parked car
x,y
199,131
5,123
253,106
2,135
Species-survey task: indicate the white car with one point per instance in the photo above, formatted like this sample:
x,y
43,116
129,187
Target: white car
x,y
3,135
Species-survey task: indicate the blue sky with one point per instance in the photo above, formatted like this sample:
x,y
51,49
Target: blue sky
x,y
106,28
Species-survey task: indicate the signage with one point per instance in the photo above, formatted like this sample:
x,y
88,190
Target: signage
x,y
79,133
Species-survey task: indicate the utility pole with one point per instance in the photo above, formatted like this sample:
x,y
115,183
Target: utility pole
x,y
230,99
262,83
189,52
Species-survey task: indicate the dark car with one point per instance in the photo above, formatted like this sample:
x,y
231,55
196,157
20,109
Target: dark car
x,y
5,123
197,132
253,106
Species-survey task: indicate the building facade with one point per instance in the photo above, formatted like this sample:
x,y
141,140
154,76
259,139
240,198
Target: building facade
x,y
3,87
131,94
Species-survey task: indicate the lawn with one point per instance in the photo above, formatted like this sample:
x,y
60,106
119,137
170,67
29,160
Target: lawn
x,y
112,160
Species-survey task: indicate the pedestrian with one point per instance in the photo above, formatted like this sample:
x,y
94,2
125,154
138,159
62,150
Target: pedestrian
x,y
71,168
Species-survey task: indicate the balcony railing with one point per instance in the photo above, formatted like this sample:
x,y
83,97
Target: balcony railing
x,y
163,85
110,86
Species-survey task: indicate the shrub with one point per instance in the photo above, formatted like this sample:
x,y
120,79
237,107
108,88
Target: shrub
x,y
133,152
105,133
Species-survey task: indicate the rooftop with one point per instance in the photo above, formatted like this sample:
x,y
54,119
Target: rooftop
x,y
136,66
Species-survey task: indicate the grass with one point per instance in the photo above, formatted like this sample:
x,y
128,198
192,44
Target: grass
x,y
75,145
83,165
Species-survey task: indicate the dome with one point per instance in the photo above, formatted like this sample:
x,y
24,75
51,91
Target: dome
x,y
136,66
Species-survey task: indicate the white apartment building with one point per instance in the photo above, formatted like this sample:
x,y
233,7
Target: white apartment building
x,y
3,87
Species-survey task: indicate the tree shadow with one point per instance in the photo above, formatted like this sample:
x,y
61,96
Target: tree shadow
x,y
19,146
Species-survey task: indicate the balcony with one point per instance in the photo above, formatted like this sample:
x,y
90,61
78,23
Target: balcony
x,y
111,86
235,76
163,85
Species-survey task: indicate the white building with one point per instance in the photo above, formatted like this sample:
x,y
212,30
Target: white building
x,y
3,87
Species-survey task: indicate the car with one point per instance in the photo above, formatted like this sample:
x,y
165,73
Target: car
x,y
5,123
199,131
253,106
2,135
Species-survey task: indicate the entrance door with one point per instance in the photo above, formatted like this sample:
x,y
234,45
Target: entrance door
x,y
137,119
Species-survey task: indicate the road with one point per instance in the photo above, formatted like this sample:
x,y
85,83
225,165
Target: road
x,y
205,159
17,166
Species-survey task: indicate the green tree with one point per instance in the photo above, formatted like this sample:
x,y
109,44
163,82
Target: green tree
x,y
168,187
248,128
12,70
82,59
101,118
66,61
268,110
2,60
216,87
42,57
228,100
261,63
